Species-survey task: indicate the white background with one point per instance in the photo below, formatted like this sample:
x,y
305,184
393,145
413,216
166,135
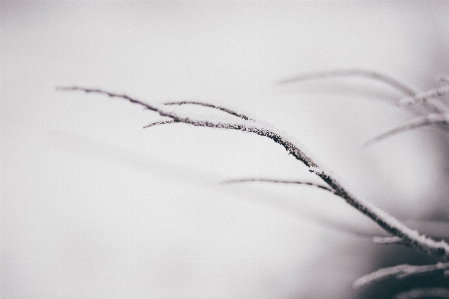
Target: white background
x,y
93,206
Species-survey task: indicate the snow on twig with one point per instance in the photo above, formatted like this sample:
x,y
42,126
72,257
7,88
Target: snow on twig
x,y
402,87
399,272
323,187
424,293
388,223
229,111
157,123
430,119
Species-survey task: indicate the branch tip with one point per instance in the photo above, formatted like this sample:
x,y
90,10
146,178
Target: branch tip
x,y
430,119
320,186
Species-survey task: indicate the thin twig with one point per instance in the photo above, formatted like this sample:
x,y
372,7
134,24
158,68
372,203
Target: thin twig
x,y
249,127
210,106
424,293
399,272
405,89
281,182
160,123
388,223
391,241
402,87
430,119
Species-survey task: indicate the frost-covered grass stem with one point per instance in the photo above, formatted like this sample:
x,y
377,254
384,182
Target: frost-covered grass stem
x,y
400,272
388,223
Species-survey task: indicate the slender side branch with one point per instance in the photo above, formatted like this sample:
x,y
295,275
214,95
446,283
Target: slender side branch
x,y
402,87
405,89
430,119
229,111
424,293
391,241
387,222
244,126
157,123
399,272
323,187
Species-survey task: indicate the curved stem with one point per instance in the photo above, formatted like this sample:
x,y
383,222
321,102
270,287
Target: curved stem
x,y
400,86
157,123
224,109
399,272
281,182
440,120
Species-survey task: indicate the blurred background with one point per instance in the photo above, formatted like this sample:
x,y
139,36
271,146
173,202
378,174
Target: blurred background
x,y
94,206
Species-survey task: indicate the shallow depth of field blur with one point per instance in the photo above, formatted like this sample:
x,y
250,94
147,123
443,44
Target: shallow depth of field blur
x,y
94,206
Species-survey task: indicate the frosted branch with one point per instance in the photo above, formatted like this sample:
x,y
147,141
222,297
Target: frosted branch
x,y
323,187
157,123
424,293
399,272
229,111
388,223
430,119
402,87
405,89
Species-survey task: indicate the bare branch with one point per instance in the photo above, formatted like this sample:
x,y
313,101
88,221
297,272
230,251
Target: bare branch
x,y
281,182
430,119
388,223
229,111
160,123
399,272
424,96
402,87
424,293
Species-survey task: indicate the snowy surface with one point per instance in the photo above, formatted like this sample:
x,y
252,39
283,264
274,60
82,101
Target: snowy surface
x,y
94,206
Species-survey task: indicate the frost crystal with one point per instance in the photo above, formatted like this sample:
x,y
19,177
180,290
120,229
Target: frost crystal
x,y
315,169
